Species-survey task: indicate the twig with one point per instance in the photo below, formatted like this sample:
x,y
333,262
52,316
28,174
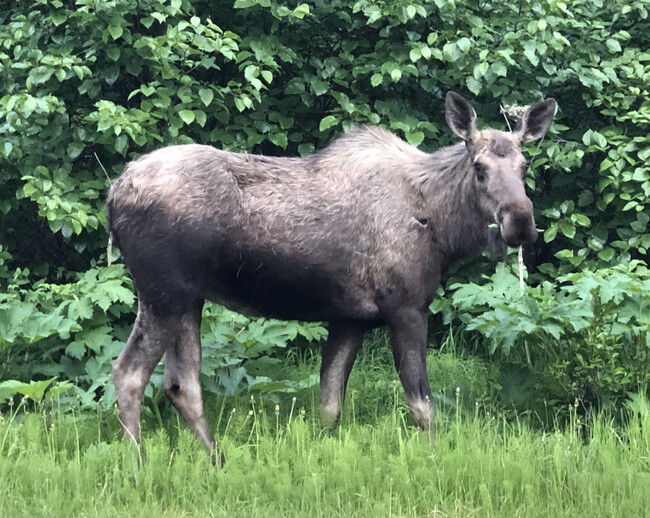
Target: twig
x,y
102,166
109,247
521,288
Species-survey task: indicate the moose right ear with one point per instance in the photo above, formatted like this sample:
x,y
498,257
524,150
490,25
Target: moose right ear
x,y
460,116
536,121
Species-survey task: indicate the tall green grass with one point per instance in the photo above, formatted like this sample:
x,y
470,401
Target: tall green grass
x,y
280,463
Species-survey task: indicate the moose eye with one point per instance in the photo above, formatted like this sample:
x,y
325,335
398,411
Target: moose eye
x,y
480,171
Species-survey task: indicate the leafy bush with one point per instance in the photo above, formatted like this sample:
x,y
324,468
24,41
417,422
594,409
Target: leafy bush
x,y
586,337
91,84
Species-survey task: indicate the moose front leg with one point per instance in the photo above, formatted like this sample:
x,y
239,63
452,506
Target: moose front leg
x,y
343,344
409,340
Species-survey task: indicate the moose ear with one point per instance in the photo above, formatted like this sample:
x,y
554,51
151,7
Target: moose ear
x,y
536,121
460,116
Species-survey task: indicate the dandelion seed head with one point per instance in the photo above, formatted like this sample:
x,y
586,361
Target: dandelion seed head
x,y
250,412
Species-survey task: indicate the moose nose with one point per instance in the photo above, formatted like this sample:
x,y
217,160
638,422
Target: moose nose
x,y
517,224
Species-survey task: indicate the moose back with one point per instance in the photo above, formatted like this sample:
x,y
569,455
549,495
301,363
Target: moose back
x,y
356,235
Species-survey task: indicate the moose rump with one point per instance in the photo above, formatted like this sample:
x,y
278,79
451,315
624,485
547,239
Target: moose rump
x,y
356,235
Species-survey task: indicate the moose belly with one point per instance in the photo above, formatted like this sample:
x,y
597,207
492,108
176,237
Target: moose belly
x,y
288,288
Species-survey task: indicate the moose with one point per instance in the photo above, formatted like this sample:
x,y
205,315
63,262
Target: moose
x,y
356,235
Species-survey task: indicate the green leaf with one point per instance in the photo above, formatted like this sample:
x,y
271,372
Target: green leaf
x,y
473,85
580,219
480,69
121,144
114,53
74,149
201,117
279,139
115,31
499,69
187,116
415,138
40,74
206,95
147,90
58,17
613,45
327,122
464,44
550,233
301,11
606,254
530,51
33,389
567,228
305,149
319,87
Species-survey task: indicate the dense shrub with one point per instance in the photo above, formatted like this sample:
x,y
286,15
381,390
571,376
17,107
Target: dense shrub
x,y
584,337
88,85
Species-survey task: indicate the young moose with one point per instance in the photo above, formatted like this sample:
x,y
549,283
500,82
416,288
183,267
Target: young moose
x,y
356,235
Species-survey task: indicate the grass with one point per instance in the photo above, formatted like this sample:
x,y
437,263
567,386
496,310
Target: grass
x,y
279,462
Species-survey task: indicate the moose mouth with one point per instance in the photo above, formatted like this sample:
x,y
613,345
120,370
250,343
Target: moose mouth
x,y
500,237
518,232
496,245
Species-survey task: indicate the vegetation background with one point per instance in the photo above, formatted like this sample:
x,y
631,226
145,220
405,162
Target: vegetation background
x,y
87,85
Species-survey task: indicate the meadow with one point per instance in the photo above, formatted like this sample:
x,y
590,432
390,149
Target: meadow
x,y
485,462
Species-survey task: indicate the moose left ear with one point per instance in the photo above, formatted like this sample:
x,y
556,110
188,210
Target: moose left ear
x,y
536,121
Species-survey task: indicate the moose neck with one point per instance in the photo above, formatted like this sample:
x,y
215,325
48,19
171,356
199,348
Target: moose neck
x,y
449,190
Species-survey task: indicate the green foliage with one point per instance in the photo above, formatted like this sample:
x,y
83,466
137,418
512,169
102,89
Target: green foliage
x,y
241,353
63,330
89,85
586,337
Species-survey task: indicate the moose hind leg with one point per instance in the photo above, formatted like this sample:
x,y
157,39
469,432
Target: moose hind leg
x,y
132,369
409,341
339,354
182,370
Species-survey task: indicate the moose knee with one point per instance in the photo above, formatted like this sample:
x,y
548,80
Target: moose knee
x,y
172,390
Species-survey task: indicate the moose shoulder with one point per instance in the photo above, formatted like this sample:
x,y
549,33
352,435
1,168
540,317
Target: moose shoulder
x,y
356,235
